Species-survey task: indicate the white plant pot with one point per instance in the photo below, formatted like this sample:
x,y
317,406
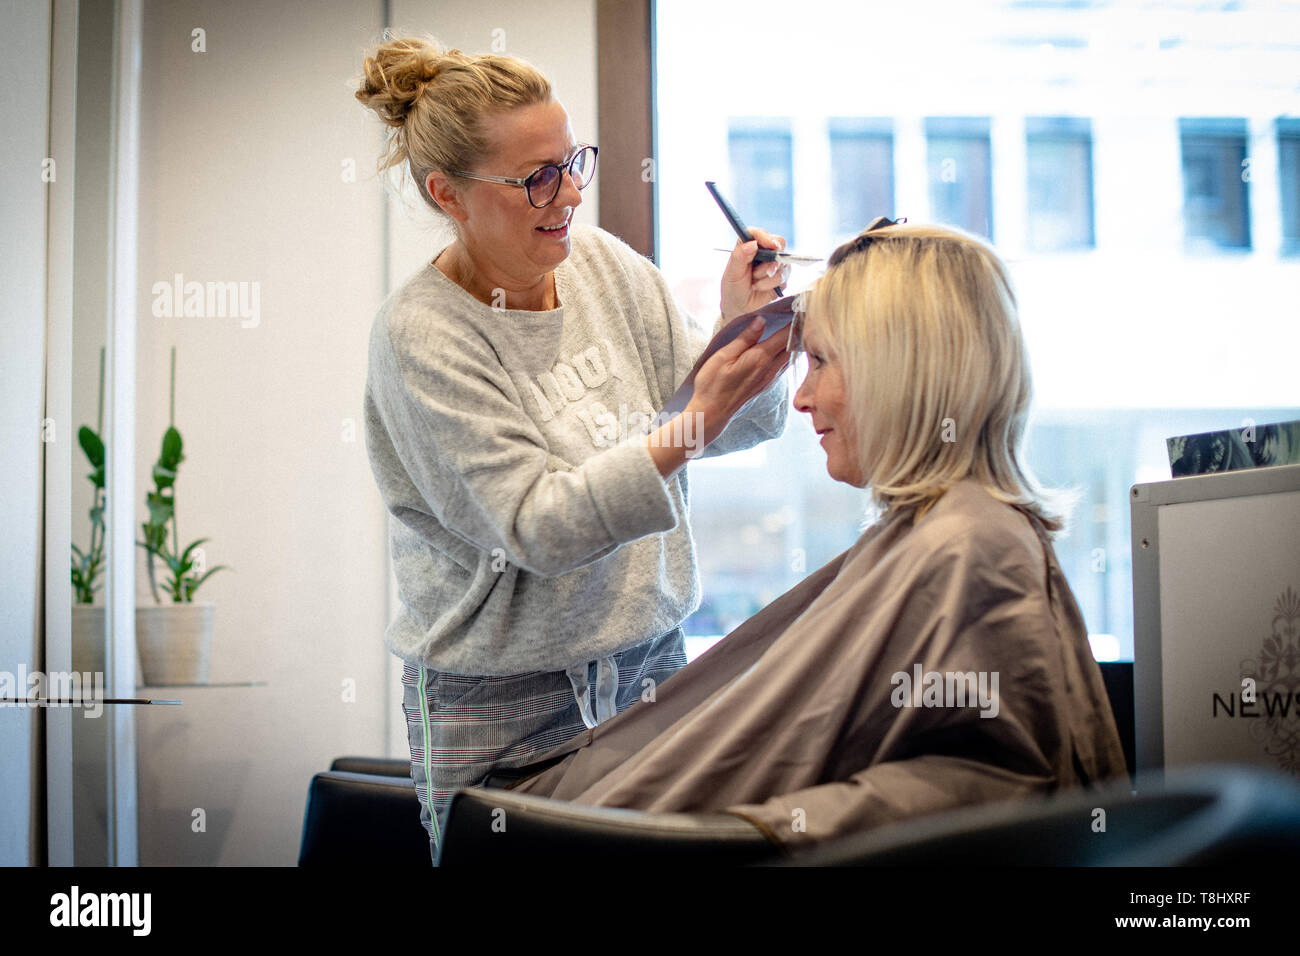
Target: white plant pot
x,y
88,638
175,642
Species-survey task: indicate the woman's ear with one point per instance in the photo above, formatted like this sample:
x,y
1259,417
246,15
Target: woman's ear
x,y
445,193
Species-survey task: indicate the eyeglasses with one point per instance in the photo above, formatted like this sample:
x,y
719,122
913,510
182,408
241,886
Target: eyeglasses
x,y
542,185
794,343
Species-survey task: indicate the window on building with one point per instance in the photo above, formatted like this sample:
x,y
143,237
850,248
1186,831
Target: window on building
x,y
1288,174
862,173
960,173
1127,349
1216,212
762,174
1058,152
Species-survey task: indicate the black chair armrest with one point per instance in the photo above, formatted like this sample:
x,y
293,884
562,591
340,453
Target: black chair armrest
x,y
497,826
357,819
377,766
1220,815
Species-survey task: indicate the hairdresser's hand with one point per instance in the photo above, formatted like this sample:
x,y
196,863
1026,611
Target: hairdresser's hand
x,y
733,375
746,286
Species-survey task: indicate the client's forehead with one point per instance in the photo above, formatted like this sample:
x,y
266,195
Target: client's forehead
x,y
812,326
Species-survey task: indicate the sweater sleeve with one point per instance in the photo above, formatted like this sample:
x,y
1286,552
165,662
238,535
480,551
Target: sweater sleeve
x,y
440,418
762,418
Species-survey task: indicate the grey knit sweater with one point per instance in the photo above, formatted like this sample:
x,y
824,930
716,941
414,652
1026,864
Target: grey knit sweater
x,y
529,527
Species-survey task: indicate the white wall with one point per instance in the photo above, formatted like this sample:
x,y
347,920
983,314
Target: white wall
x,y
24,116
242,158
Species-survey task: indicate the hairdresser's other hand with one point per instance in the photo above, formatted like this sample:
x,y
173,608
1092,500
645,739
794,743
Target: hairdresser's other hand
x,y
746,286
733,375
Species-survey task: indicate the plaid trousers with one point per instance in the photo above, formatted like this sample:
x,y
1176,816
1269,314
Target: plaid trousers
x,y
461,727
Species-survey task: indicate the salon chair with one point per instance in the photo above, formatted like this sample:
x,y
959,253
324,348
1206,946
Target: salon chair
x,y
363,810
1222,815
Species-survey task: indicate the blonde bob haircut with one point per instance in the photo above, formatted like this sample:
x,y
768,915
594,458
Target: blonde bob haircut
x,y
923,322
438,103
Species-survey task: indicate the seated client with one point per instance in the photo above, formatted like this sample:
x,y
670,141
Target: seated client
x,y
939,662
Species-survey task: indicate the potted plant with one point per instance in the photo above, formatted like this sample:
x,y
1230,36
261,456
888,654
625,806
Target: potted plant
x,y
174,637
88,619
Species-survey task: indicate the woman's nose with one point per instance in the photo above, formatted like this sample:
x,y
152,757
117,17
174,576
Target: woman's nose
x,y
569,194
803,396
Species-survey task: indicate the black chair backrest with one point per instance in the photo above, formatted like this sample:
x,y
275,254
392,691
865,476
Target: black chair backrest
x,y
498,826
356,819
1118,678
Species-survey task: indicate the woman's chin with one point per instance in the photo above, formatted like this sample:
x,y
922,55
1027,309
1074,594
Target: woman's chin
x,y
551,255
553,245
847,476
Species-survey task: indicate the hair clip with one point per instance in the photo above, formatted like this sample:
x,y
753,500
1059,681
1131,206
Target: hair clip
x,y
862,240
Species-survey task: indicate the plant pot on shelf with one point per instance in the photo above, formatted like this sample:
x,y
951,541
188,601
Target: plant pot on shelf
x,y
175,642
88,638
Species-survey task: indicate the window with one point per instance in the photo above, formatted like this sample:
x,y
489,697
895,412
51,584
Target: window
x,y
960,173
762,175
862,173
1288,173
1058,156
1216,214
1144,342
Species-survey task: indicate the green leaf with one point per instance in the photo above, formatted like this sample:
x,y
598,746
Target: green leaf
x,y
186,552
171,449
163,477
161,509
210,572
92,445
155,538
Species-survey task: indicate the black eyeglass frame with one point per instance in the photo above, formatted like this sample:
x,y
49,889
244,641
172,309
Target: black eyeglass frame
x,y
527,181
794,341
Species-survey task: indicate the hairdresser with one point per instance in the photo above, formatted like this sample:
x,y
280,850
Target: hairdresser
x,y
539,522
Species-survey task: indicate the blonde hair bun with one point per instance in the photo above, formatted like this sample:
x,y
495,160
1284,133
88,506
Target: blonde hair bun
x,y
445,130
398,72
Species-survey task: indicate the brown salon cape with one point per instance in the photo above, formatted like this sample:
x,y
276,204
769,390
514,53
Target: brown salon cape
x,y
800,722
